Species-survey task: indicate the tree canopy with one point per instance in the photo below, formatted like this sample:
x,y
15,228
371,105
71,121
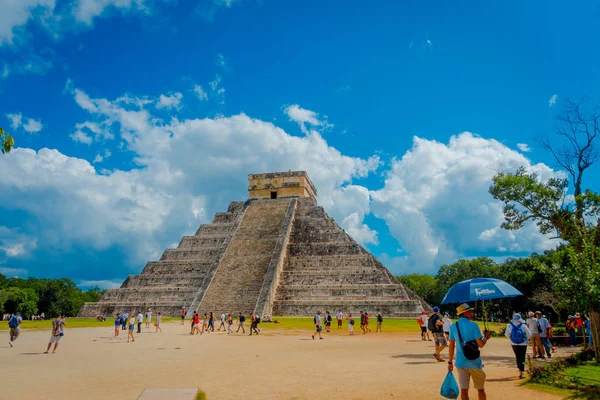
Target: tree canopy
x,y
51,296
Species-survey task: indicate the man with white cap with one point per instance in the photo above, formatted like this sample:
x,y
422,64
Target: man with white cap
x,y
519,334
536,342
467,334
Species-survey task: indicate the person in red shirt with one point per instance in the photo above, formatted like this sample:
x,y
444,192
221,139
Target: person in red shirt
x,y
196,325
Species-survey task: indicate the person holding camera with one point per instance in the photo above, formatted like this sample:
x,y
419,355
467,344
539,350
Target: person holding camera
x,y
466,340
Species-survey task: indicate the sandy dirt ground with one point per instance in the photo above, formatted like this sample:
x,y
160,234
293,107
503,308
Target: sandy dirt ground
x,y
278,364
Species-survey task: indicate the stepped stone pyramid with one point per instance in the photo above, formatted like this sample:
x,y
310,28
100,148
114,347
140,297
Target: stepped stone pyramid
x,y
278,253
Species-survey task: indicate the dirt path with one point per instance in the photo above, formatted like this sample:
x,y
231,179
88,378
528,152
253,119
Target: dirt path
x,y
278,364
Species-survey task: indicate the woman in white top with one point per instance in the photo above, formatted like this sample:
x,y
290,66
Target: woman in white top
x,y
447,323
519,335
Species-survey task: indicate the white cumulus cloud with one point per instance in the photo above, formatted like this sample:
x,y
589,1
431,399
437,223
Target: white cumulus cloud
x,y
435,202
200,93
524,147
31,126
169,101
181,164
304,117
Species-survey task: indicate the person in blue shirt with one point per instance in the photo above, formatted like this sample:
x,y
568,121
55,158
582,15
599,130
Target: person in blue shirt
x,y
467,369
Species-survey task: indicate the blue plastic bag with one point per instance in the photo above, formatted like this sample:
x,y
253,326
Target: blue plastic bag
x,y
450,388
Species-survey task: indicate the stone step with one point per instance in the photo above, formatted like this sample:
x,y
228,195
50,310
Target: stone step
x,y
332,278
224,218
338,261
181,255
354,269
323,249
214,229
176,267
181,280
200,242
299,237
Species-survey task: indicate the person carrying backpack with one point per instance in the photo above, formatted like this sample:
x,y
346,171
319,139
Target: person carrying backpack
x,y
379,322
14,323
519,334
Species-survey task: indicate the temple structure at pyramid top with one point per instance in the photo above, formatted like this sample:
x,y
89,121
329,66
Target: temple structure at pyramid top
x,y
277,253
281,184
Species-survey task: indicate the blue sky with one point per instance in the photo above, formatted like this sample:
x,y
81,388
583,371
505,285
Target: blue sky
x,y
136,120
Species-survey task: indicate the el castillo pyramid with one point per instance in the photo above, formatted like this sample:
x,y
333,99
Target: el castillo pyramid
x,y
277,253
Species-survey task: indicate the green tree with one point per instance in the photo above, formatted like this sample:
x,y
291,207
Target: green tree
x,y
574,270
425,286
21,300
7,141
463,269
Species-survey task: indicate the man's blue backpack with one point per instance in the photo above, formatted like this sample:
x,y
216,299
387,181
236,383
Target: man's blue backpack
x,y
516,334
13,322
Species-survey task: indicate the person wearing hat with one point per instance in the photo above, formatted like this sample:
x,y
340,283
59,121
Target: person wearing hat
x,y
536,340
422,321
437,329
518,333
467,333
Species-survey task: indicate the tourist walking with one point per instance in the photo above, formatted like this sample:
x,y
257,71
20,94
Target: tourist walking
x,y
148,317
241,320
14,325
379,323
211,321
545,332
124,319
223,320
57,333
140,319
318,325
253,324
229,324
196,324
571,326
519,334
328,320
422,320
362,322
183,312
205,323
465,334
158,322
131,328
536,340
340,316
350,324
436,326
118,323
447,323
367,329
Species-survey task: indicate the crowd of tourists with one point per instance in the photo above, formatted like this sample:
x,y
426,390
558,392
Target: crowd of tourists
x,y
327,319
464,340
128,322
